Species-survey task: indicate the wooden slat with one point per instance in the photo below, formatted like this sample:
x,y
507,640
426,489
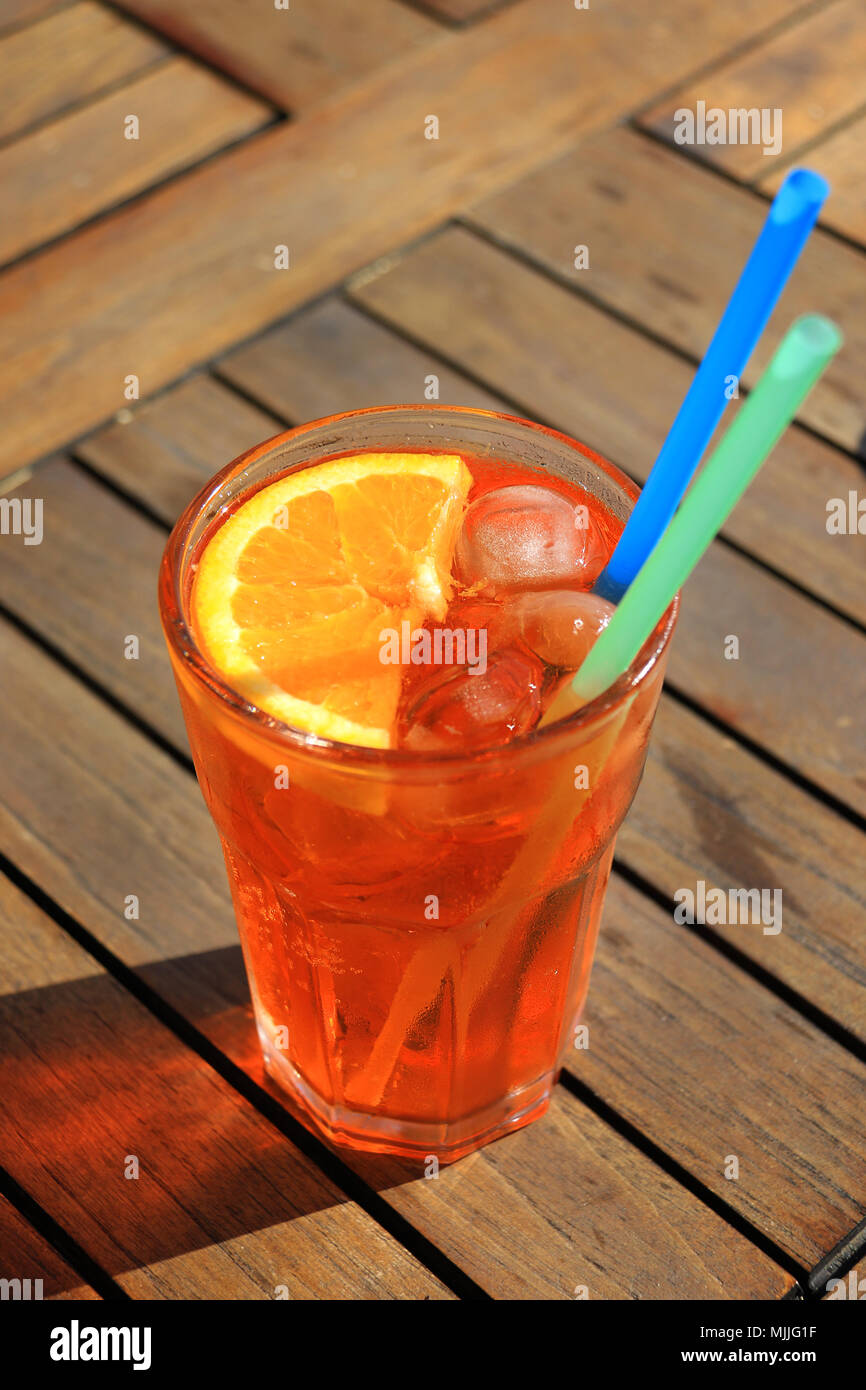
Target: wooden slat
x,y
332,358
797,964
709,1064
560,357
224,1206
777,690
24,1254
328,358
66,58
748,827
567,1202
77,166
342,186
667,243
812,71
166,449
708,810
22,11
297,56
688,828
116,558
92,811
557,355
840,159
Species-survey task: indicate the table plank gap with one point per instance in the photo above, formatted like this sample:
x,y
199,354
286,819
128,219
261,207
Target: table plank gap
x,y
838,156
526,337
342,207
838,1264
659,1155
296,57
849,1284
232,1202
33,1264
812,72
107,818
68,58
174,748
709,810
80,165
460,11
672,279
679,1041
785,528
189,956
837,971
300,373
743,956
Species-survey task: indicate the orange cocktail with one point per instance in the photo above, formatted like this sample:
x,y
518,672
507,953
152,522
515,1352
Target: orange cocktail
x,y
368,619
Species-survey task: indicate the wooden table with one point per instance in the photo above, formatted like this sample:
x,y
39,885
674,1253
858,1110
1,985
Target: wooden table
x,y
710,1141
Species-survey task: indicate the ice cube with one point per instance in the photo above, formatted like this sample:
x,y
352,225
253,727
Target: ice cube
x,y
497,620
453,709
561,625
527,537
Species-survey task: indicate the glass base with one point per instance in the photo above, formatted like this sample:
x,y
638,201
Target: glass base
x,y
382,1134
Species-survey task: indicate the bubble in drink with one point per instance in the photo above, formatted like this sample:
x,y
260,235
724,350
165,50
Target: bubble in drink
x,y
561,626
527,537
454,709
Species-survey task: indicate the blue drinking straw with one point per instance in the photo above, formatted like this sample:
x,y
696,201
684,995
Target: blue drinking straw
x,y
791,218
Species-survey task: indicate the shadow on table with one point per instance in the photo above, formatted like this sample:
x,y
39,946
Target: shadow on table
x,y
131,1140
139,1147
210,990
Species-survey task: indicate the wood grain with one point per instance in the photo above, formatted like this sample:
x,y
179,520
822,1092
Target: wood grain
x,y
708,809
812,72
298,56
569,1203
81,164
223,1205
79,827
798,681
166,449
710,1065
66,58
332,357
667,243
125,817
109,609
840,159
556,355
89,807
93,811
559,357
340,187
25,1254
327,358
713,810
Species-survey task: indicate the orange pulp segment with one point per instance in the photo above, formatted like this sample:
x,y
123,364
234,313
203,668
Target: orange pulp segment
x,y
295,588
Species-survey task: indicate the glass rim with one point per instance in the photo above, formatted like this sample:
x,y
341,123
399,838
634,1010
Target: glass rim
x,y
182,642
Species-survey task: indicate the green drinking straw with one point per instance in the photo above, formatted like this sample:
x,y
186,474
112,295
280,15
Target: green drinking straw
x,y
804,352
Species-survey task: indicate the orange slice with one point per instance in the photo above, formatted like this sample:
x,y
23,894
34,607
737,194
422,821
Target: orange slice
x,y
294,590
